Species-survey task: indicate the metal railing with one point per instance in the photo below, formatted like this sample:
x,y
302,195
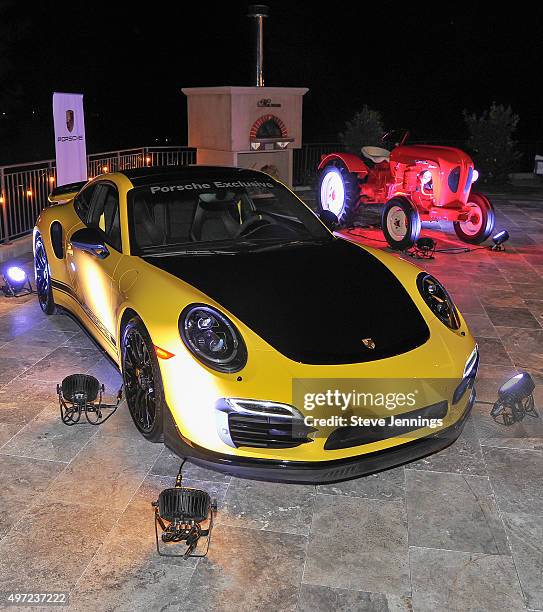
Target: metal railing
x,y
24,187
307,159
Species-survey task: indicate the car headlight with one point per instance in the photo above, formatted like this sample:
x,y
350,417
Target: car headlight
x,y
438,300
468,377
212,338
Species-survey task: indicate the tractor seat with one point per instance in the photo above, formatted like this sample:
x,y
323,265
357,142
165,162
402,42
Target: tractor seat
x,y
376,154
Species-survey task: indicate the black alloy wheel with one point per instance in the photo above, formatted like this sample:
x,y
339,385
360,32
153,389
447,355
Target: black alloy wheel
x,y
142,381
43,277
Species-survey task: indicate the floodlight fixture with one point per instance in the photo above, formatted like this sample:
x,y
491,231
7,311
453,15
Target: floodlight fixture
x,y
16,282
515,400
180,512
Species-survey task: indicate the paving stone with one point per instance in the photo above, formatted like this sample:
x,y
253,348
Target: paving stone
x,y
48,550
20,413
512,317
268,506
533,291
247,569
107,472
480,325
492,351
47,437
11,367
468,303
526,536
521,340
24,391
358,544
61,362
316,598
22,482
453,511
517,478
463,582
118,579
7,431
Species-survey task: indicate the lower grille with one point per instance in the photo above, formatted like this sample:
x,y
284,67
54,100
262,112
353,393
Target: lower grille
x,y
347,437
266,431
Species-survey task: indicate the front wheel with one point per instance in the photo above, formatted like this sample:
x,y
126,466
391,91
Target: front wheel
x,y
142,381
338,191
481,221
400,223
43,277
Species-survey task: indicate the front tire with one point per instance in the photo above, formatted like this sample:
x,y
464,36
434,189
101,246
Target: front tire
x,y
338,191
43,277
142,380
477,230
400,222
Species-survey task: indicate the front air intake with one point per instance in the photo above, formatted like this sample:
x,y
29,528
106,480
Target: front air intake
x,y
265,432
260,424
347,437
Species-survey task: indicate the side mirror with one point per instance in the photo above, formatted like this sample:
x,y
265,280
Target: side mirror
x,y
329,219
91,241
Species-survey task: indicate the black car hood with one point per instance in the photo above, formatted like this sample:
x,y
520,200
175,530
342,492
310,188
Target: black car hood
x,y
313,304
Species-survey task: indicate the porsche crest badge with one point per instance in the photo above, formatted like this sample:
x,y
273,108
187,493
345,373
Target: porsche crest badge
x,y
70,120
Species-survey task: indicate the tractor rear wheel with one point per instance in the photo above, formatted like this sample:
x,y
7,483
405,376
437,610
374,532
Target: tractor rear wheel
x,y
479,227
338,191
400,223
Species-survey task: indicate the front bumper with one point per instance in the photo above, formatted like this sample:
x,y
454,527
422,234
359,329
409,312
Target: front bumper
x,y
314,472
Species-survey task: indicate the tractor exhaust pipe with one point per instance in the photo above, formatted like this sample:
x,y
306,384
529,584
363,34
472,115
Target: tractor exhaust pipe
x,y
258,12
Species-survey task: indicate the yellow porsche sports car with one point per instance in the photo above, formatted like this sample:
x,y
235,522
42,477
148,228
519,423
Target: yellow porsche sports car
x,y
247,333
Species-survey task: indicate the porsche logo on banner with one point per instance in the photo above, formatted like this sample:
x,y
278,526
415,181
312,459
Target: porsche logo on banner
x,y
70,148
70,120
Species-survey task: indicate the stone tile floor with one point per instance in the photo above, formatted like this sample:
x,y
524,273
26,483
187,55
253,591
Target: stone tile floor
x,y
460,530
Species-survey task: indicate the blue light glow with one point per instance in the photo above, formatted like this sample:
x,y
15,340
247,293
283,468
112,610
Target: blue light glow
x,y
16,274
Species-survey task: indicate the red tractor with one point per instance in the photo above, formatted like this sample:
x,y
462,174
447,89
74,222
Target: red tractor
x,y
414,182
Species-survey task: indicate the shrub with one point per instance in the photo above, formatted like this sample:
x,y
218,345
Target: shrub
x,y
364,129
491,142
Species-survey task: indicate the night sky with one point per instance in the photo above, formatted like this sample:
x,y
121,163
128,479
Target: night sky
x,y
420,66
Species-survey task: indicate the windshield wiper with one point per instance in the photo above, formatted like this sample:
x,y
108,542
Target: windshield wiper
x,y
196,252
289,243
237,248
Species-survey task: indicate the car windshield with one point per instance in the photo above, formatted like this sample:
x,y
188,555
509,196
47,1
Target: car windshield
x,y
219,216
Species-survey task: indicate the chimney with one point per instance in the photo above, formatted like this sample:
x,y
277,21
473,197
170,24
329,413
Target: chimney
x,y
258,12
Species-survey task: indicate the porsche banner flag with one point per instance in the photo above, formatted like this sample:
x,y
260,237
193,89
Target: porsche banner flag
x,y
70,147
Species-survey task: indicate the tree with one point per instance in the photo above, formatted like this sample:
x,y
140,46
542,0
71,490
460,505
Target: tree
x,y
491,142
364,129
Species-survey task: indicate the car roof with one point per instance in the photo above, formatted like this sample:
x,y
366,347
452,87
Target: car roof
x,y
146,176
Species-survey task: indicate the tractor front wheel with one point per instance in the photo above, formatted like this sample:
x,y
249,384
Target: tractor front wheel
x,y
400,223
480,224
338,191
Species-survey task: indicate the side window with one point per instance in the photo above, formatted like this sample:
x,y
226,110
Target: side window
x,y
82,202
105,214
